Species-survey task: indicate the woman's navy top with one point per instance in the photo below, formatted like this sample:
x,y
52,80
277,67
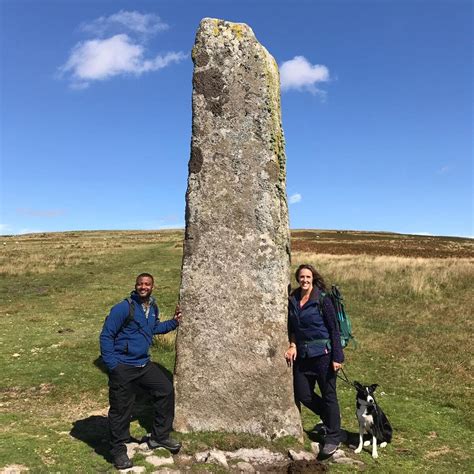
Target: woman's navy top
x,y
314,326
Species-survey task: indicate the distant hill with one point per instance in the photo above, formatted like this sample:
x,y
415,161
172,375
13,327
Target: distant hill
x,y
337,242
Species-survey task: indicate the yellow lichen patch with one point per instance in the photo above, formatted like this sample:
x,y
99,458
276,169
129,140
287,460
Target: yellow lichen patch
x,y
215,31
238,29
273,107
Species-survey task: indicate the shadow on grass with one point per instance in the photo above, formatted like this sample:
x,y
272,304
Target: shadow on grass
x,y
94,430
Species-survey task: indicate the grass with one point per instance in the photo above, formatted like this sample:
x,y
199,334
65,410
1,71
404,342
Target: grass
x,y
412,318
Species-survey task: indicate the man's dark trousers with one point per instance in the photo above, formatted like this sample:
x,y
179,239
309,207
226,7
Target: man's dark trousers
x,y
123,381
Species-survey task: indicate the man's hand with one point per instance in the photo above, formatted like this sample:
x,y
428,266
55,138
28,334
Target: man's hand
x,y
177,314
336,366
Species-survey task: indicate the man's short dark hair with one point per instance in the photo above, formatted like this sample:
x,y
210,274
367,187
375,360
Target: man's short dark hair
x,y
146,275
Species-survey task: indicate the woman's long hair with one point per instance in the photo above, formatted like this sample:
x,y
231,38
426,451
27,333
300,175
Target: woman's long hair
x,y
318,280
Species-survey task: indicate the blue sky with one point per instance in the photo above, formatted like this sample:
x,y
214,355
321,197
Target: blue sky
x,y
376,106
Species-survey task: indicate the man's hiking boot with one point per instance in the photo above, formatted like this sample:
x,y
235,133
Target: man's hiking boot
x,y
122,461
170,444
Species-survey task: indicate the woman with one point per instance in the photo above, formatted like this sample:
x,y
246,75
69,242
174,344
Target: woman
x,y
315,351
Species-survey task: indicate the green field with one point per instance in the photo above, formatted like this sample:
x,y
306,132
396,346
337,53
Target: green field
x,y
412,317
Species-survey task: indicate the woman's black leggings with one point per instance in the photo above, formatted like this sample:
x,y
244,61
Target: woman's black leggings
x,y
306,372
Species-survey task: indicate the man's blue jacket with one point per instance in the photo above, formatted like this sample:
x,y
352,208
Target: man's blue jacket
x,y
129,344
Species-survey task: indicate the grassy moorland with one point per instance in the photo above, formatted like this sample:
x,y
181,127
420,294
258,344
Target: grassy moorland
x,y
410,299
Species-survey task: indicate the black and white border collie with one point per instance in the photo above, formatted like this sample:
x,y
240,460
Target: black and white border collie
x,y
371,419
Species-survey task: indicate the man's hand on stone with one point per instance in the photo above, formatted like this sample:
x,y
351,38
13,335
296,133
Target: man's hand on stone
x,y
177,314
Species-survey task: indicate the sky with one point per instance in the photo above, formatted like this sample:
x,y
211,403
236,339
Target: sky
x,y
376,106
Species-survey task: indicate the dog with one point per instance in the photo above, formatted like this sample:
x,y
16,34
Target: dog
x,y
371,419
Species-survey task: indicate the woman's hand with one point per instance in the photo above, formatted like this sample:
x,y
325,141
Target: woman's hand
x,y
336,366
290,354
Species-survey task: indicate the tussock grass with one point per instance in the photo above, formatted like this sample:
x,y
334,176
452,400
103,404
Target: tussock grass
x,y
43,253
389,274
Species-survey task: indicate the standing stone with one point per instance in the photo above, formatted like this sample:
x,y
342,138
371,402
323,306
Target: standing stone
x,y
230,372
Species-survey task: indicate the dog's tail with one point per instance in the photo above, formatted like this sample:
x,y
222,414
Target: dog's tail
x,y
382,429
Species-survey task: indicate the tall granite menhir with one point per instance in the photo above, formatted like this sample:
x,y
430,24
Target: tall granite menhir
x,y
230,372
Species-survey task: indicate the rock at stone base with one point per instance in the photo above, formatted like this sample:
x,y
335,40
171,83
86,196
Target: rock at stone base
x,y
14,469
244,467
159,461
315,448
137,469
184,459
257,456
167,470
301,455
132,448
348,461
218,457
143,448
201,457
338,454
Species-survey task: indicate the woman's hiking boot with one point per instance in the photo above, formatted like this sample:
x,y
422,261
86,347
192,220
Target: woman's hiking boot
x,y
170,444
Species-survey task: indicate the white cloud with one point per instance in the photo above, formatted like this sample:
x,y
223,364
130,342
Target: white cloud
x,y
102,59
298,73
146,24
117,48
294,198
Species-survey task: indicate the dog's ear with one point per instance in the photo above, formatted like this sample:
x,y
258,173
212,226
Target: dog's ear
x,y
358,385
373,387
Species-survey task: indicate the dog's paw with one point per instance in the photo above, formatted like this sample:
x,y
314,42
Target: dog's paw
x,y
358,450
382,445
367,443
375,455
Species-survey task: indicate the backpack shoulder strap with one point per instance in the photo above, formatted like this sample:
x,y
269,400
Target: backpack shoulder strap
x,y
321,297
130,316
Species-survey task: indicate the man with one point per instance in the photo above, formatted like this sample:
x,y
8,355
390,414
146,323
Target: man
x,y
124,346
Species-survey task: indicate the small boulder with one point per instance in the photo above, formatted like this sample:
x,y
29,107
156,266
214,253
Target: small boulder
x,y
202,456
339,454
158,461
315,448
218,457
258,456
131,449
301,455
244,467
348,461
136,469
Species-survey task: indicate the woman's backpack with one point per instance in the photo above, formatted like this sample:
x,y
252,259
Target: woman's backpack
x,y
343,319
